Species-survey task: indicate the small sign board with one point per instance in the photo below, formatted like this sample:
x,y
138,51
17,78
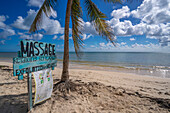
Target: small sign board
x,y
34,56
43,85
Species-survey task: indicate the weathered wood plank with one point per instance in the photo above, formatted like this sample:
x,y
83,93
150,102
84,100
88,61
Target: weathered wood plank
x,y
19,64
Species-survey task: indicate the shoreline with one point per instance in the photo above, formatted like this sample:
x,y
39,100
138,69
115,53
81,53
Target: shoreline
x,y
86,65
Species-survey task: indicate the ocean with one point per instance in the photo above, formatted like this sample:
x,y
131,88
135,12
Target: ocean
x,y
143,63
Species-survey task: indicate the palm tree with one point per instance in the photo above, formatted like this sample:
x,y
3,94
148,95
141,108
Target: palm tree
x,y
75,11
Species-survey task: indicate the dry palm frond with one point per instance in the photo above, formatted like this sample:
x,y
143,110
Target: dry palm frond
x,y
47,8
97,18
76,14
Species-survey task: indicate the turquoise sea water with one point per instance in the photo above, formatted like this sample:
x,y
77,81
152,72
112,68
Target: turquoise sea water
x,y
153,64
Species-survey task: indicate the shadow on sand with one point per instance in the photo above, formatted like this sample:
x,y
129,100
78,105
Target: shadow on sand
x,y
13,103
11,83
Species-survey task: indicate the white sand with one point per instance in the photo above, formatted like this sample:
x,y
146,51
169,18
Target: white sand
x,y
114,92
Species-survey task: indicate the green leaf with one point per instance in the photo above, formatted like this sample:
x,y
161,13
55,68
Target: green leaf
x,y
76,14
47,8
98,20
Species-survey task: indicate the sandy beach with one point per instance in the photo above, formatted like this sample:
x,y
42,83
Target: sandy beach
x,y
93,91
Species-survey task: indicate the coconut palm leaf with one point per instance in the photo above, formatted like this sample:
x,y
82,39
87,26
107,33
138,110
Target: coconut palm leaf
x,y
47,8
98,20
76,14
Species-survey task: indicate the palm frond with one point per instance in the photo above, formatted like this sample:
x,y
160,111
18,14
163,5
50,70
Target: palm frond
x,y
76,14
99,22
47,8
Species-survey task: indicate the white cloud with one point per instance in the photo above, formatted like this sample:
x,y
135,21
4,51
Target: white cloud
x,y
122,28
62,37
102,44
35,3
25,23
19,33
142,46
139,29
38,3
87,28
2,20
85,36
55,37
50,26
92,46
153,11
132,48
123,43
121,13
2,42
107,46
37,36
5,30
113,21
132,39
26,37
165,41
20,24
155,27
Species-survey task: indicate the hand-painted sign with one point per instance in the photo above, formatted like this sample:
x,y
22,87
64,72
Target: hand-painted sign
x,y
43,85
32,64
33,57
34,48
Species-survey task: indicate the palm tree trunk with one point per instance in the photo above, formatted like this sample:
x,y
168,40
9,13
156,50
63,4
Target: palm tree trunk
x,y
65,73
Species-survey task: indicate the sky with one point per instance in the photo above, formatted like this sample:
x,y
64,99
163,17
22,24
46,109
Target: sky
x,y
139,26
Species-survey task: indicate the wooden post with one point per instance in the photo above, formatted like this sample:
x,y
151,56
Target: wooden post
x,y
29,82
19,54
52,68
20,77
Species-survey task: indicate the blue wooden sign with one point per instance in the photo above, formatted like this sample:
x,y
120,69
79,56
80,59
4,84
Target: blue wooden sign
x,y
31,64
33,48
33,56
